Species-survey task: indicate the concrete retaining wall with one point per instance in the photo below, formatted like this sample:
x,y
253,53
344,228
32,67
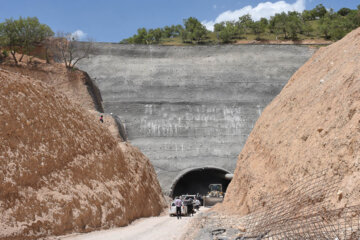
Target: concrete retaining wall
x,y
188,107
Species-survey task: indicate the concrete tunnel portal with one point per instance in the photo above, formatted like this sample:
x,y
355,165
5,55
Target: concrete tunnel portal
x,y
197,180
190,108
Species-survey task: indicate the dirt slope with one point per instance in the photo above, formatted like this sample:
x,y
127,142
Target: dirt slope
x,y
69,82
60,170
76,85
313,124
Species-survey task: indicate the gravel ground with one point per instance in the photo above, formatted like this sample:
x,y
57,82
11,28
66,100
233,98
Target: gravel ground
x,y
159,228
199,227
204,225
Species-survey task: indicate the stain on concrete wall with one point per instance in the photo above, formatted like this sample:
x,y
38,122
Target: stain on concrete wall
x,y
189,107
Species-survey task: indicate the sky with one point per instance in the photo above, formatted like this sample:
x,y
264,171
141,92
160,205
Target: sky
x,y
114,20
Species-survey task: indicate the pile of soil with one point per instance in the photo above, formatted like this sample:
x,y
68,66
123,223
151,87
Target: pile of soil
x,y
62,171
312,125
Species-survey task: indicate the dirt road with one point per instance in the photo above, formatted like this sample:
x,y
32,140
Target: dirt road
x,y
160,228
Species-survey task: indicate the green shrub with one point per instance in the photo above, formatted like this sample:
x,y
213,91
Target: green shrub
x,y
5,53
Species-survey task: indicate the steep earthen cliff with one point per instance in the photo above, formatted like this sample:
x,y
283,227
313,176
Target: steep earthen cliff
x,y
312,125
61,170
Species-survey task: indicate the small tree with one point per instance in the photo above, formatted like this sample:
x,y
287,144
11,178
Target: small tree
x,y
289,24
307,28
171,31
167,32
177,29
140,37
319,11
294,24
149,37
185,36
219,27
264,22
225,31
70,50
353,18
325,24
344,11
245,22
278,24
156,35
194,30
21,36
338,29
307,15
259,27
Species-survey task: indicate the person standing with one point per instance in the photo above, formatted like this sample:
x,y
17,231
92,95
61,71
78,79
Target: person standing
x,y
190,207
102,118
178,204
197,204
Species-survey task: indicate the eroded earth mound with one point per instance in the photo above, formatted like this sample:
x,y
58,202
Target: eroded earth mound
x,y
312,125
60,170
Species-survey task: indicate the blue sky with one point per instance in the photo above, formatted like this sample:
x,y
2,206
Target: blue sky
x,y
111,20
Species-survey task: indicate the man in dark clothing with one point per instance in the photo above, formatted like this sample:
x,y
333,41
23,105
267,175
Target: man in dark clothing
x,y
190,206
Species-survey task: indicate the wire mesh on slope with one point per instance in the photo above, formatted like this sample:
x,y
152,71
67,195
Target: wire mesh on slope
x,y
302,213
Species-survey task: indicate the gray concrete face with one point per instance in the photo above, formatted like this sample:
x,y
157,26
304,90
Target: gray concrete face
x,y
190,107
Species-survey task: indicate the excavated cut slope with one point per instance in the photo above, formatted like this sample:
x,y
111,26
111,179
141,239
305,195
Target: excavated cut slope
x,y
61,171
313,124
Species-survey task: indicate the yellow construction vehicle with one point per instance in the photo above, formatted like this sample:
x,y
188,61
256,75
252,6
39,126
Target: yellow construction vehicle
x,y
215,195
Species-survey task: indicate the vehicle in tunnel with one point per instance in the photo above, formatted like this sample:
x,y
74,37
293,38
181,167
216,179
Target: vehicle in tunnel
x,y
215,195
196,181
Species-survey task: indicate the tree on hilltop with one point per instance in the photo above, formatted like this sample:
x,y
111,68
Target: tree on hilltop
x,y
22,35
278,24
307,28
245,23
259,27
140,38
307,15
67,48
219,26
294,24
226,31
289,24
153,36
194,30
344,11
319,11
172,31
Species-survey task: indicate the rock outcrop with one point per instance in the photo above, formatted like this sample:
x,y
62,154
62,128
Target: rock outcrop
x,y
312,125
61,171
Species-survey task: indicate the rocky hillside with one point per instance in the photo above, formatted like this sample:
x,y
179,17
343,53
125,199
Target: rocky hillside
x,y
312,125
62,171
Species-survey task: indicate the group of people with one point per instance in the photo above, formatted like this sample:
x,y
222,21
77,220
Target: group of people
x,y
190,203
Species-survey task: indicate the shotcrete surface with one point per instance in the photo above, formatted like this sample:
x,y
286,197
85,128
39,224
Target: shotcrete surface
x,y
190,107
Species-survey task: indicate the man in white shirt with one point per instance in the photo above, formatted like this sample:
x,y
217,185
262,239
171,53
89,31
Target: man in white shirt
x,y
178,204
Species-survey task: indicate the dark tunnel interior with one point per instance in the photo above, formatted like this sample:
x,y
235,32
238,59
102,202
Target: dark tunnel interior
x,y
198,181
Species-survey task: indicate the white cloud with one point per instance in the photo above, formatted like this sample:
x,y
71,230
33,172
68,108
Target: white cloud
x,y
79,35
214,6
265,9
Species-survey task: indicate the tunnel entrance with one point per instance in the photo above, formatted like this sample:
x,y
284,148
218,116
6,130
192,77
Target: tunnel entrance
x,y
198,180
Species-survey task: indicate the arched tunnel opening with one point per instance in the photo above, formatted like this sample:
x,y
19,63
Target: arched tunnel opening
x,y
198,180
